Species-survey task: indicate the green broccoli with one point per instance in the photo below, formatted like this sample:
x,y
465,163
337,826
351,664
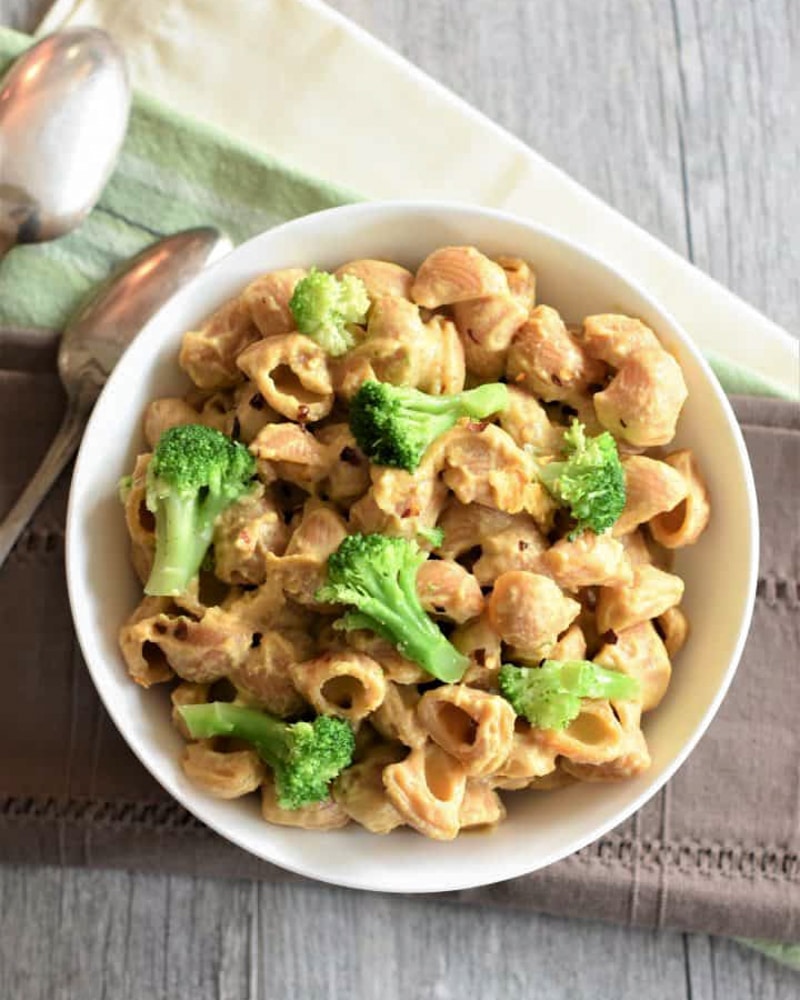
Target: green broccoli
x,y
433,536
304,756
394,425
590,480
378,575
550,696
323,306
194,474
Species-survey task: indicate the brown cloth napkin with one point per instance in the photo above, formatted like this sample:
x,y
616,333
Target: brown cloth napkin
x,y
716,850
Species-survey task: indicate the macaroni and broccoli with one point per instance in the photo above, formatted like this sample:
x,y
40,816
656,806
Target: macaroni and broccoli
x,y
405,544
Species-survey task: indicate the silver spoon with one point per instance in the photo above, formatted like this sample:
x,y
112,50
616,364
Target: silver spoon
x,y
64,108
94,340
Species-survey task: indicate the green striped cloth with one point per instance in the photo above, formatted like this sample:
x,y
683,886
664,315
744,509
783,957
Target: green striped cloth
x,y
175,173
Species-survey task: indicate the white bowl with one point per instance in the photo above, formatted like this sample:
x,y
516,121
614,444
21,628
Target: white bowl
x,y
720,571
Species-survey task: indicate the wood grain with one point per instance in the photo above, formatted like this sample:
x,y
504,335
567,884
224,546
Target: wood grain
x,y
78,935
23,15
685,115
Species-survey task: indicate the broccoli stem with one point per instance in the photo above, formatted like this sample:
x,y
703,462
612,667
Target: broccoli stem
x,y
220,718
267,734
550,472
377,575
424,642
409,629
304,756
593,682
550,696
418,639
431,423
440,658
182,539
435,415
484,400
395,425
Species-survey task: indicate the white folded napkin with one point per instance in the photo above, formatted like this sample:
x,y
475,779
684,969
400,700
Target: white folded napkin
x,y
300,81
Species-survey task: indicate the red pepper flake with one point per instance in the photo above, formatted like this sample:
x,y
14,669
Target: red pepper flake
x,y
302,413
477,425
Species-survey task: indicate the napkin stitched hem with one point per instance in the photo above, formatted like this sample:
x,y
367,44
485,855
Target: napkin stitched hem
x,y
725,858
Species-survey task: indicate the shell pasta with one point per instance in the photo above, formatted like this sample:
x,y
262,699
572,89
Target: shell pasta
x,y
518,469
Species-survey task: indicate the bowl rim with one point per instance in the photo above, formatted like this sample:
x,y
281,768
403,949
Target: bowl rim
x,y
355,213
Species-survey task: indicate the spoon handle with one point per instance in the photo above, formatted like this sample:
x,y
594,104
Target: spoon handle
x,y
63,447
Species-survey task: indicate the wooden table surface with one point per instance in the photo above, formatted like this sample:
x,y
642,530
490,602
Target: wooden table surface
x,y
685,115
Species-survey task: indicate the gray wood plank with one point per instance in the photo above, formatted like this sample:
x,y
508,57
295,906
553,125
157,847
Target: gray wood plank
x,y
406,949
90,935
207,941
684,115
590,85
739,122
74,935
722,969
23,15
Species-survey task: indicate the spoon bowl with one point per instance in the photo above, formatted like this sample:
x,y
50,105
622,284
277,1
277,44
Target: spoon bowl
x,y
96,336
64,107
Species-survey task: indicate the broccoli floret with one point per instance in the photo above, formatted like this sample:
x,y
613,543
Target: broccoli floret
x,y
304,756
194,474
590,480
550,696
378,576
394,425
323,306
